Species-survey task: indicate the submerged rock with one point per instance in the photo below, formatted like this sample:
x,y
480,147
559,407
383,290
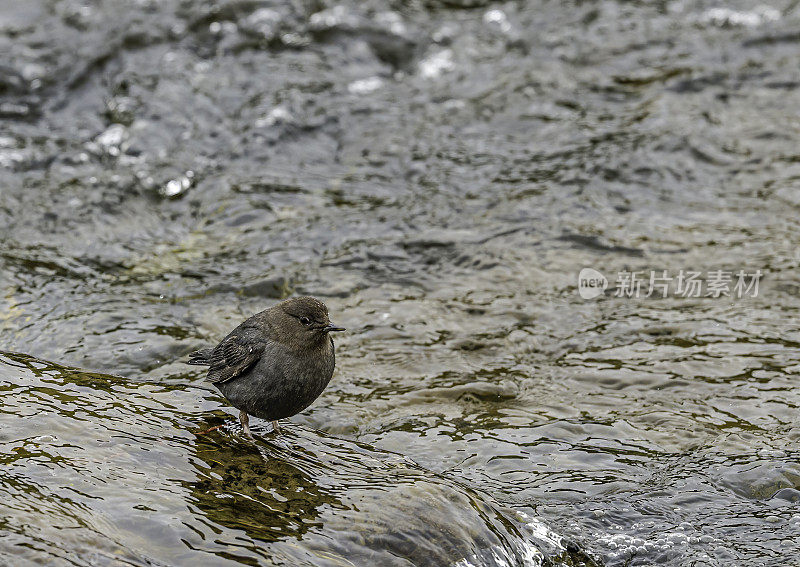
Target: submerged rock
x,y
123,465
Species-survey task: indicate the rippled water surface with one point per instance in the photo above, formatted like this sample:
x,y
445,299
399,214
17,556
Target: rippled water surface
x,y
438,172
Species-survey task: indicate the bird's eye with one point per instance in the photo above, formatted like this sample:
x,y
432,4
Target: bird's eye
x,y
305,320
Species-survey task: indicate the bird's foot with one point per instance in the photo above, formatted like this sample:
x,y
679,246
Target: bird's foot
x,y
245,420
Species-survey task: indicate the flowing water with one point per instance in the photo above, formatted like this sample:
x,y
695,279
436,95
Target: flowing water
x,y
438,172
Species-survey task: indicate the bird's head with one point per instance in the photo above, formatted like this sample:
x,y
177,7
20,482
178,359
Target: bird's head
x,y
306,320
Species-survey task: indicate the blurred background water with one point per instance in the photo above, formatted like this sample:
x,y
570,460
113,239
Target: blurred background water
x,y
438,172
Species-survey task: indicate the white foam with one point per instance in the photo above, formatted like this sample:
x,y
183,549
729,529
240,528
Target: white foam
x,y
436,64
745,18
365,86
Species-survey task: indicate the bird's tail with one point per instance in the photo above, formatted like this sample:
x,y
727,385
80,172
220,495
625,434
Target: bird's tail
x,y
200,357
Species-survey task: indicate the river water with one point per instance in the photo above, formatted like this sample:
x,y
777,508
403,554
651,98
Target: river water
x,y
438,172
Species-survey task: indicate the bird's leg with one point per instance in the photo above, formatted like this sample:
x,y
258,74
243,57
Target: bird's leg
x,y
275,428
245,419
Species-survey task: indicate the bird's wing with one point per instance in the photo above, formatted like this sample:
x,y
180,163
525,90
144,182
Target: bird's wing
x,y
236,354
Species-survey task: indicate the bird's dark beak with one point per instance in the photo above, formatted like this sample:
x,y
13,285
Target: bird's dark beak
x,y
331,327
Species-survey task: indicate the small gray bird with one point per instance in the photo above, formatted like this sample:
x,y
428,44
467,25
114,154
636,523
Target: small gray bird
x,y
276,363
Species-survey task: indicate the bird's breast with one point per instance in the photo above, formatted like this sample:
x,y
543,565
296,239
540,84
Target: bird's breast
x,y
282,383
